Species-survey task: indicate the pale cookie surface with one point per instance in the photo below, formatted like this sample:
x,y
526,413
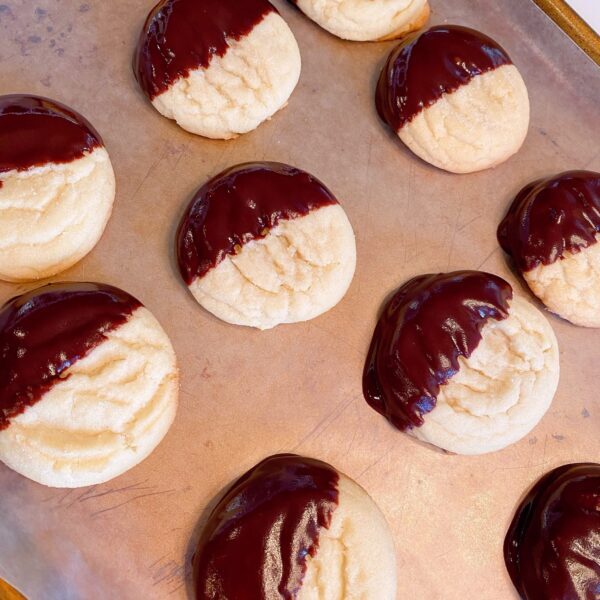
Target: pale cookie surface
x,y
476,127
502,390
109,414
301,269
52,215
570,287
356,558
236,92
366,20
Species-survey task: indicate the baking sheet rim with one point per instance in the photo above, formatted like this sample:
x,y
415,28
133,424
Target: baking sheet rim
x,y
573,25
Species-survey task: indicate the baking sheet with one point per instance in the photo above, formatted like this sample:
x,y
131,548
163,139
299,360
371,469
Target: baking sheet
x,y
246,394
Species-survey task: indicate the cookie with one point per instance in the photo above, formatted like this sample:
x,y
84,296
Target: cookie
x,y
57,187
294,527
551,233
552,548
454,98
88,383
366,20
458,362
219,68
266,243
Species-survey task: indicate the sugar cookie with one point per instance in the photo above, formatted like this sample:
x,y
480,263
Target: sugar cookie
x,y
551,232
367,20
219,68
295,527
458,362
88,384
454,98
57,187
266,243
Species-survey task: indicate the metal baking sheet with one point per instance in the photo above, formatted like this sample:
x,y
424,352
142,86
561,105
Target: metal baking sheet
x,y
246,394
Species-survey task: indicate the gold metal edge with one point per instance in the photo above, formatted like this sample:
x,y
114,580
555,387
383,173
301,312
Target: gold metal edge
x,y
7,592
573,25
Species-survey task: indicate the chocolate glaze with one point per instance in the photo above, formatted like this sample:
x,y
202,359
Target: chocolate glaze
x,y
45,331
239,205
552,548
552,216
258,537
427,65
427,324
182,35
35,131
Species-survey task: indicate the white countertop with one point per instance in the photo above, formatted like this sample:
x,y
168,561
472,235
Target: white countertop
x,y
589,10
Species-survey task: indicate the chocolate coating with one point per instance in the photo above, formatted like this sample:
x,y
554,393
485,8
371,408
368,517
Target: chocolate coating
x,y
239,205
427,65
258,537
182,35
45,331
552,216
552,548
35,131
427,324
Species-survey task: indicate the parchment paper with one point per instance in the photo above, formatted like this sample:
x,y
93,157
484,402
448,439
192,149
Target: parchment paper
x,y
246,394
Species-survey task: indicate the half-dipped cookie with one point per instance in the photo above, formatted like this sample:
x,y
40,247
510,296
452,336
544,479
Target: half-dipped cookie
x,y
366,20
294,527
219,68
265,243
57,187
552,548
88,383
457,361
454,98
551,232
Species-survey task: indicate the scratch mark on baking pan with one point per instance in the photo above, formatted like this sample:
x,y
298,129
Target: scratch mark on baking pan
x,y
324,422
468,223
60,498
89,493
169,572
82,495
373,464
487,257
157,561
129,500
148,172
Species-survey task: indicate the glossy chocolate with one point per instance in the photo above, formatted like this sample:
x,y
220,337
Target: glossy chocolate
x,y
35,131
257,539
45,331
182,35
552,548
427,65
427,324
239,205
550,217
